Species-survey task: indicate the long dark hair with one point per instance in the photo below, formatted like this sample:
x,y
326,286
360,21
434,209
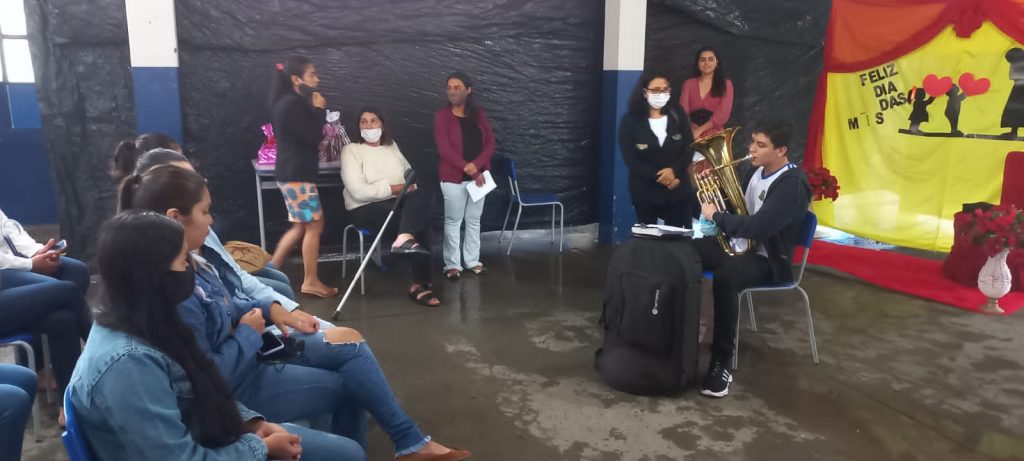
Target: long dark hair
x,y
718,78
128,151
385,134
281,84
161,189
135,250
472,109
638,105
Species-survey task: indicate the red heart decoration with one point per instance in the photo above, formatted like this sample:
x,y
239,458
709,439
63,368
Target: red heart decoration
x,y
972,87
936,86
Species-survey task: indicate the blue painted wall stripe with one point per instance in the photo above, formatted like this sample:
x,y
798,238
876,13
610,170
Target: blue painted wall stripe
x,y
616,215
157,101
23,105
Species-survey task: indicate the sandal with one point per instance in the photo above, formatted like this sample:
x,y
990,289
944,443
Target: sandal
x,y
410,246
479,269
453,274
331,293
424,295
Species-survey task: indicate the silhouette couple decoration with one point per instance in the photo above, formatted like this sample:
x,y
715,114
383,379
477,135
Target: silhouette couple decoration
x,y
966,86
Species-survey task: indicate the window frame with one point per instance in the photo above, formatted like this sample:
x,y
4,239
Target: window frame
x,y
3,59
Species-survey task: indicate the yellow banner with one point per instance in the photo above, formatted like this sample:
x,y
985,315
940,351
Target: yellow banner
x,y
913,140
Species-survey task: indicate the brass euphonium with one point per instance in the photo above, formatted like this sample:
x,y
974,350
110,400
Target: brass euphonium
x,y
716,182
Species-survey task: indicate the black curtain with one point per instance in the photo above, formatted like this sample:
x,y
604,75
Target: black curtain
x,y
770,49
83,78
535,66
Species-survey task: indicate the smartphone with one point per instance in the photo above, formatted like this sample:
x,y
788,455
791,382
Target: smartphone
x,y
271,344
60,246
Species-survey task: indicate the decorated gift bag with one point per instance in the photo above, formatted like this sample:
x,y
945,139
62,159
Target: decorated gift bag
x,y
335,138
268,151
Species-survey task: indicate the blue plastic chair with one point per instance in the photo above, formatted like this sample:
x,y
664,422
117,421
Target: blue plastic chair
x,y
528,200
805,239
24,342
74,439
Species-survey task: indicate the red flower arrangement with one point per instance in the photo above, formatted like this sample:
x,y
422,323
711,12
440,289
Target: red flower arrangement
x,y
823,184
999,228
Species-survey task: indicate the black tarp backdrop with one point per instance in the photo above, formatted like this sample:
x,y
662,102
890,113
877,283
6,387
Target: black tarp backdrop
x,y
771,50
535,64
83,74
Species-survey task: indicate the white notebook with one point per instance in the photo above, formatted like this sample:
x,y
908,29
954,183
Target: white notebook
x,y
661,230
478,192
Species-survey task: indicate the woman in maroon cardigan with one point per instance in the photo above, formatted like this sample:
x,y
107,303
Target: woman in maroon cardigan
x,y
465,143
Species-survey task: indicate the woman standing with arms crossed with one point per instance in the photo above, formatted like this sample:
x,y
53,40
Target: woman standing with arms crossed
x,y
298,114
465,143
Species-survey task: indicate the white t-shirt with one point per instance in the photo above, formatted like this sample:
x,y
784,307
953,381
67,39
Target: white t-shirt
x,y
754,196
660,128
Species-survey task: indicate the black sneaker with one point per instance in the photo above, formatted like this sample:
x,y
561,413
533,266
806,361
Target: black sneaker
x,y
716,383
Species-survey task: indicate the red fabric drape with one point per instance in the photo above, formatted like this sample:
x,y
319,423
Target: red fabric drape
x,y
863,34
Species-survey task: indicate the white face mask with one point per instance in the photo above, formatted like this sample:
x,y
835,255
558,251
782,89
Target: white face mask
x,y
371,135
658,101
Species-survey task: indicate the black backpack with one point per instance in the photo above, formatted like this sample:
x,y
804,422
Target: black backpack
x,y
651,317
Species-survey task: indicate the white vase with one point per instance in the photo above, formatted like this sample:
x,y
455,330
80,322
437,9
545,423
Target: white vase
x,y
994,280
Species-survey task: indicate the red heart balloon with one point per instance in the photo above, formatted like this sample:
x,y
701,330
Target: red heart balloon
x,y
972,87
936,86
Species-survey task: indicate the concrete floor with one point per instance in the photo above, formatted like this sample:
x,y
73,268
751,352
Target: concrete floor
x,y
505,368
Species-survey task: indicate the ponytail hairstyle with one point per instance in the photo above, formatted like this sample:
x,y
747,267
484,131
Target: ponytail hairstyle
x,y
162,188
135,250
472,109
157,157
127,152
281,84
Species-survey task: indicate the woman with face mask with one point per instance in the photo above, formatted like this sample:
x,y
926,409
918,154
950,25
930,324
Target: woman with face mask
x,y
373,171
465,143
334,371
298,114
654,138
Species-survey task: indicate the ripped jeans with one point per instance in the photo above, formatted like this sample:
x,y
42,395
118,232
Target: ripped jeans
x,y
344,380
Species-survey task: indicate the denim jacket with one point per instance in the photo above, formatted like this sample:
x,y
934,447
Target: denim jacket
x,y
132,400
245,285
213,314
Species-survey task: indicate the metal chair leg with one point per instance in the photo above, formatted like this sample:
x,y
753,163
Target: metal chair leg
x,y
362,276
561,226
736,339
47,364
552,224
514,228
31,356
810,325
750,308
344,251
508,211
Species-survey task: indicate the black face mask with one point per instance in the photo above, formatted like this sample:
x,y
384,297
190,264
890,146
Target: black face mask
x,y
179,285
306,92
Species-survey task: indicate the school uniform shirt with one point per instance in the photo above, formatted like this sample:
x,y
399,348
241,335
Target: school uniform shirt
x,y
646,153
16,246
757,190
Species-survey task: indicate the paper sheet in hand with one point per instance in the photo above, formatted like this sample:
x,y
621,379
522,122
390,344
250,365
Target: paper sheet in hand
x,y
478,192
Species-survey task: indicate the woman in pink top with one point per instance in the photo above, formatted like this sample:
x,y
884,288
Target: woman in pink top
x,y
707,96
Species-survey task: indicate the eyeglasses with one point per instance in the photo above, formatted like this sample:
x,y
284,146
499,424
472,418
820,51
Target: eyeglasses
x,y
659,90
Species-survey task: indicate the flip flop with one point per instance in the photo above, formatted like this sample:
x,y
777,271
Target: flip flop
x,y
479,270
322,295
427,293
453,274
410,246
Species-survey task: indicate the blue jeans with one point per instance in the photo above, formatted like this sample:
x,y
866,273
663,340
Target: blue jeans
x,y
321,446
55,306
17,392
276,280
344,379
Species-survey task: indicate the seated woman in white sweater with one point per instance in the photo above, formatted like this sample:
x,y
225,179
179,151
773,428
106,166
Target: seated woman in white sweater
x,y
373,170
